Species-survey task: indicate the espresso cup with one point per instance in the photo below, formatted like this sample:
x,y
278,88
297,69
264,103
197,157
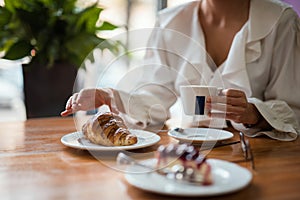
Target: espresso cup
x,y
194,97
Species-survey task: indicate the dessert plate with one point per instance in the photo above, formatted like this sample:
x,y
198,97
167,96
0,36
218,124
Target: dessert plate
x,y
227,177
78,141
200,134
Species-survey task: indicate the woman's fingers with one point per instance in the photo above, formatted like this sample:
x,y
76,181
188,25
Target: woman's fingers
x,y
230,97
233,93
234,101
231,105
71,106
69,103
74,101
226,108
88,99
229,116
66,113
74,98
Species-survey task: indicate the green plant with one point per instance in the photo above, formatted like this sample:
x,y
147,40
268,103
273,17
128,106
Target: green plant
x,y
49,31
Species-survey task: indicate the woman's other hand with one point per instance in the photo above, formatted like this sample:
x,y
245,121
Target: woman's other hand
x,y
233,105
89,99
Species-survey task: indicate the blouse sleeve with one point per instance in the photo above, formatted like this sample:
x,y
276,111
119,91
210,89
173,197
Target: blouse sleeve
x,y
149,101
281,106
279,115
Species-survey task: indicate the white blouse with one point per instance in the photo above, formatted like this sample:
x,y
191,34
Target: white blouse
x,y
263,61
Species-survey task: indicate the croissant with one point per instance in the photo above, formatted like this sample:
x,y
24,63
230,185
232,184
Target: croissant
x,y
108,129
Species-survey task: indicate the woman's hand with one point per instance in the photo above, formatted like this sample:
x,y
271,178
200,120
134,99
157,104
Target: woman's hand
x,y
233,105
89,99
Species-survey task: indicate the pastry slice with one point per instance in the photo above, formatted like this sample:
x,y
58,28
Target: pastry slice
x,y
184,160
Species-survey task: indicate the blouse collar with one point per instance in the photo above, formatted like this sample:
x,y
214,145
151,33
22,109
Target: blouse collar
x,y
264,14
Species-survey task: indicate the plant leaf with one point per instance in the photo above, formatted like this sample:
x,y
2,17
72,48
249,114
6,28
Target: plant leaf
x,y
106,26
9,4
18,50
88,19
81,46
55,29
5,17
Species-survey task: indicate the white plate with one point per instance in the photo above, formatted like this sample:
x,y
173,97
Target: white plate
x,y
227,178
201,134
78,141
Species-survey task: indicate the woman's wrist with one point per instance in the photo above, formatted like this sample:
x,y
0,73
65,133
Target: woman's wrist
x,y
255,117
258,120
118,101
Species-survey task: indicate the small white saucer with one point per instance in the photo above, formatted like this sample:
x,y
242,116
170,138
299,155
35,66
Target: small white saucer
x,y
200,134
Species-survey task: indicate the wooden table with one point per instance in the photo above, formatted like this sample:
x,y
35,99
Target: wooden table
x,y
34,164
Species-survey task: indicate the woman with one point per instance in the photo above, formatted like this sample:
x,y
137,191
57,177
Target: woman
x,y
254,45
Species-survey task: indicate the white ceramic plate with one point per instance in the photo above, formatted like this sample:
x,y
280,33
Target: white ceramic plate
x,y
78,141
201,134
227,178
